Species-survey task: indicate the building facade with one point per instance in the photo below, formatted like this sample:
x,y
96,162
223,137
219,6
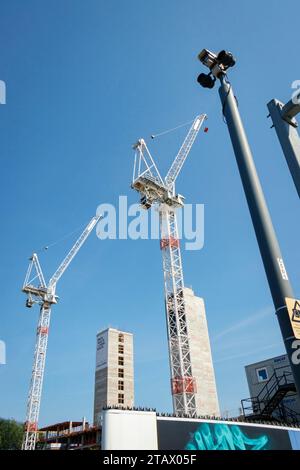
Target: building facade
x,y
201,358
114,379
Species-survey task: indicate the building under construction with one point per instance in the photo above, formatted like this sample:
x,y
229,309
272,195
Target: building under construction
x,y
200,353
114,379
114,375
69,435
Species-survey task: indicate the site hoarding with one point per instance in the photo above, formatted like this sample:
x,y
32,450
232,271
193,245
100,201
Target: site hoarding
x,y
193,435
128,430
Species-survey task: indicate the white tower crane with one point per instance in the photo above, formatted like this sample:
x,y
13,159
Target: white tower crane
x,y
38,291
154,190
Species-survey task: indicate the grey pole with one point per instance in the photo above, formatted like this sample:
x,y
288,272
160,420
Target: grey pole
x,y
269,248
283,117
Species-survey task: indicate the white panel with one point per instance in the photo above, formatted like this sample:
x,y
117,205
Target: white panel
x,y
129,430
102,350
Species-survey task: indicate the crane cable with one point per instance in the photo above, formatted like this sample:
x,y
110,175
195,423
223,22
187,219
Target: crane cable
x,y
153,136
69,234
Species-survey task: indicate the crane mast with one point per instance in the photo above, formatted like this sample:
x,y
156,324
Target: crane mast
x,y
183,385
148,182
37,376
38,292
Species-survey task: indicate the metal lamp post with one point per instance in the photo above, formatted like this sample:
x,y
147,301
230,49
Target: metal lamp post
x,y
286,306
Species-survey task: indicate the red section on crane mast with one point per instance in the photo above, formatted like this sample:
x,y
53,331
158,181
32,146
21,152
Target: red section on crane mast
x,y
30,427
183,384
172,242
43,330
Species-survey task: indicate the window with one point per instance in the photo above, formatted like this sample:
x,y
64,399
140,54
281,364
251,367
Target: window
x,y
121,398
121,338
262,374
121,361
120,385
121,348
121,373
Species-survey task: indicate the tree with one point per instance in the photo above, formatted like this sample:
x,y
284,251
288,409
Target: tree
x,y
11,434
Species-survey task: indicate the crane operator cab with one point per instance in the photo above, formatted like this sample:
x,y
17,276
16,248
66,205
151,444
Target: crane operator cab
x,y
145,203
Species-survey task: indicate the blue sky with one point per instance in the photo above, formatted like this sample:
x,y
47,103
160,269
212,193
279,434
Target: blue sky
x,y
84,80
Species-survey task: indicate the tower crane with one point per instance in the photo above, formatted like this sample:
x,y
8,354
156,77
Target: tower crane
x,y
155,190
39,292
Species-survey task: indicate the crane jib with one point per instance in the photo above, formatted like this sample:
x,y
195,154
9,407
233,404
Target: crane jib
x,y
196,125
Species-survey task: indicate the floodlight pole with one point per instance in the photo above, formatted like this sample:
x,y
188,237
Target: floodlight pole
x,y
269,247
283,117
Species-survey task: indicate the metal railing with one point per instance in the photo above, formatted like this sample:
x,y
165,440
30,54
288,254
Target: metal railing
x,y
287,415
270,396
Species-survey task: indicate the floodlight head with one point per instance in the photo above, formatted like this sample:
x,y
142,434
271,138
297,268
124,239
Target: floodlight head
x,y
217,64
207,58
206,80
226,59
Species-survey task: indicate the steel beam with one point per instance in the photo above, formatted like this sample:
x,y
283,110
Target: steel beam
x,y
283,117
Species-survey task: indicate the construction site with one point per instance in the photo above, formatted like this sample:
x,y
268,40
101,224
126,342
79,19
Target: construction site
x,y
157,372
193,385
